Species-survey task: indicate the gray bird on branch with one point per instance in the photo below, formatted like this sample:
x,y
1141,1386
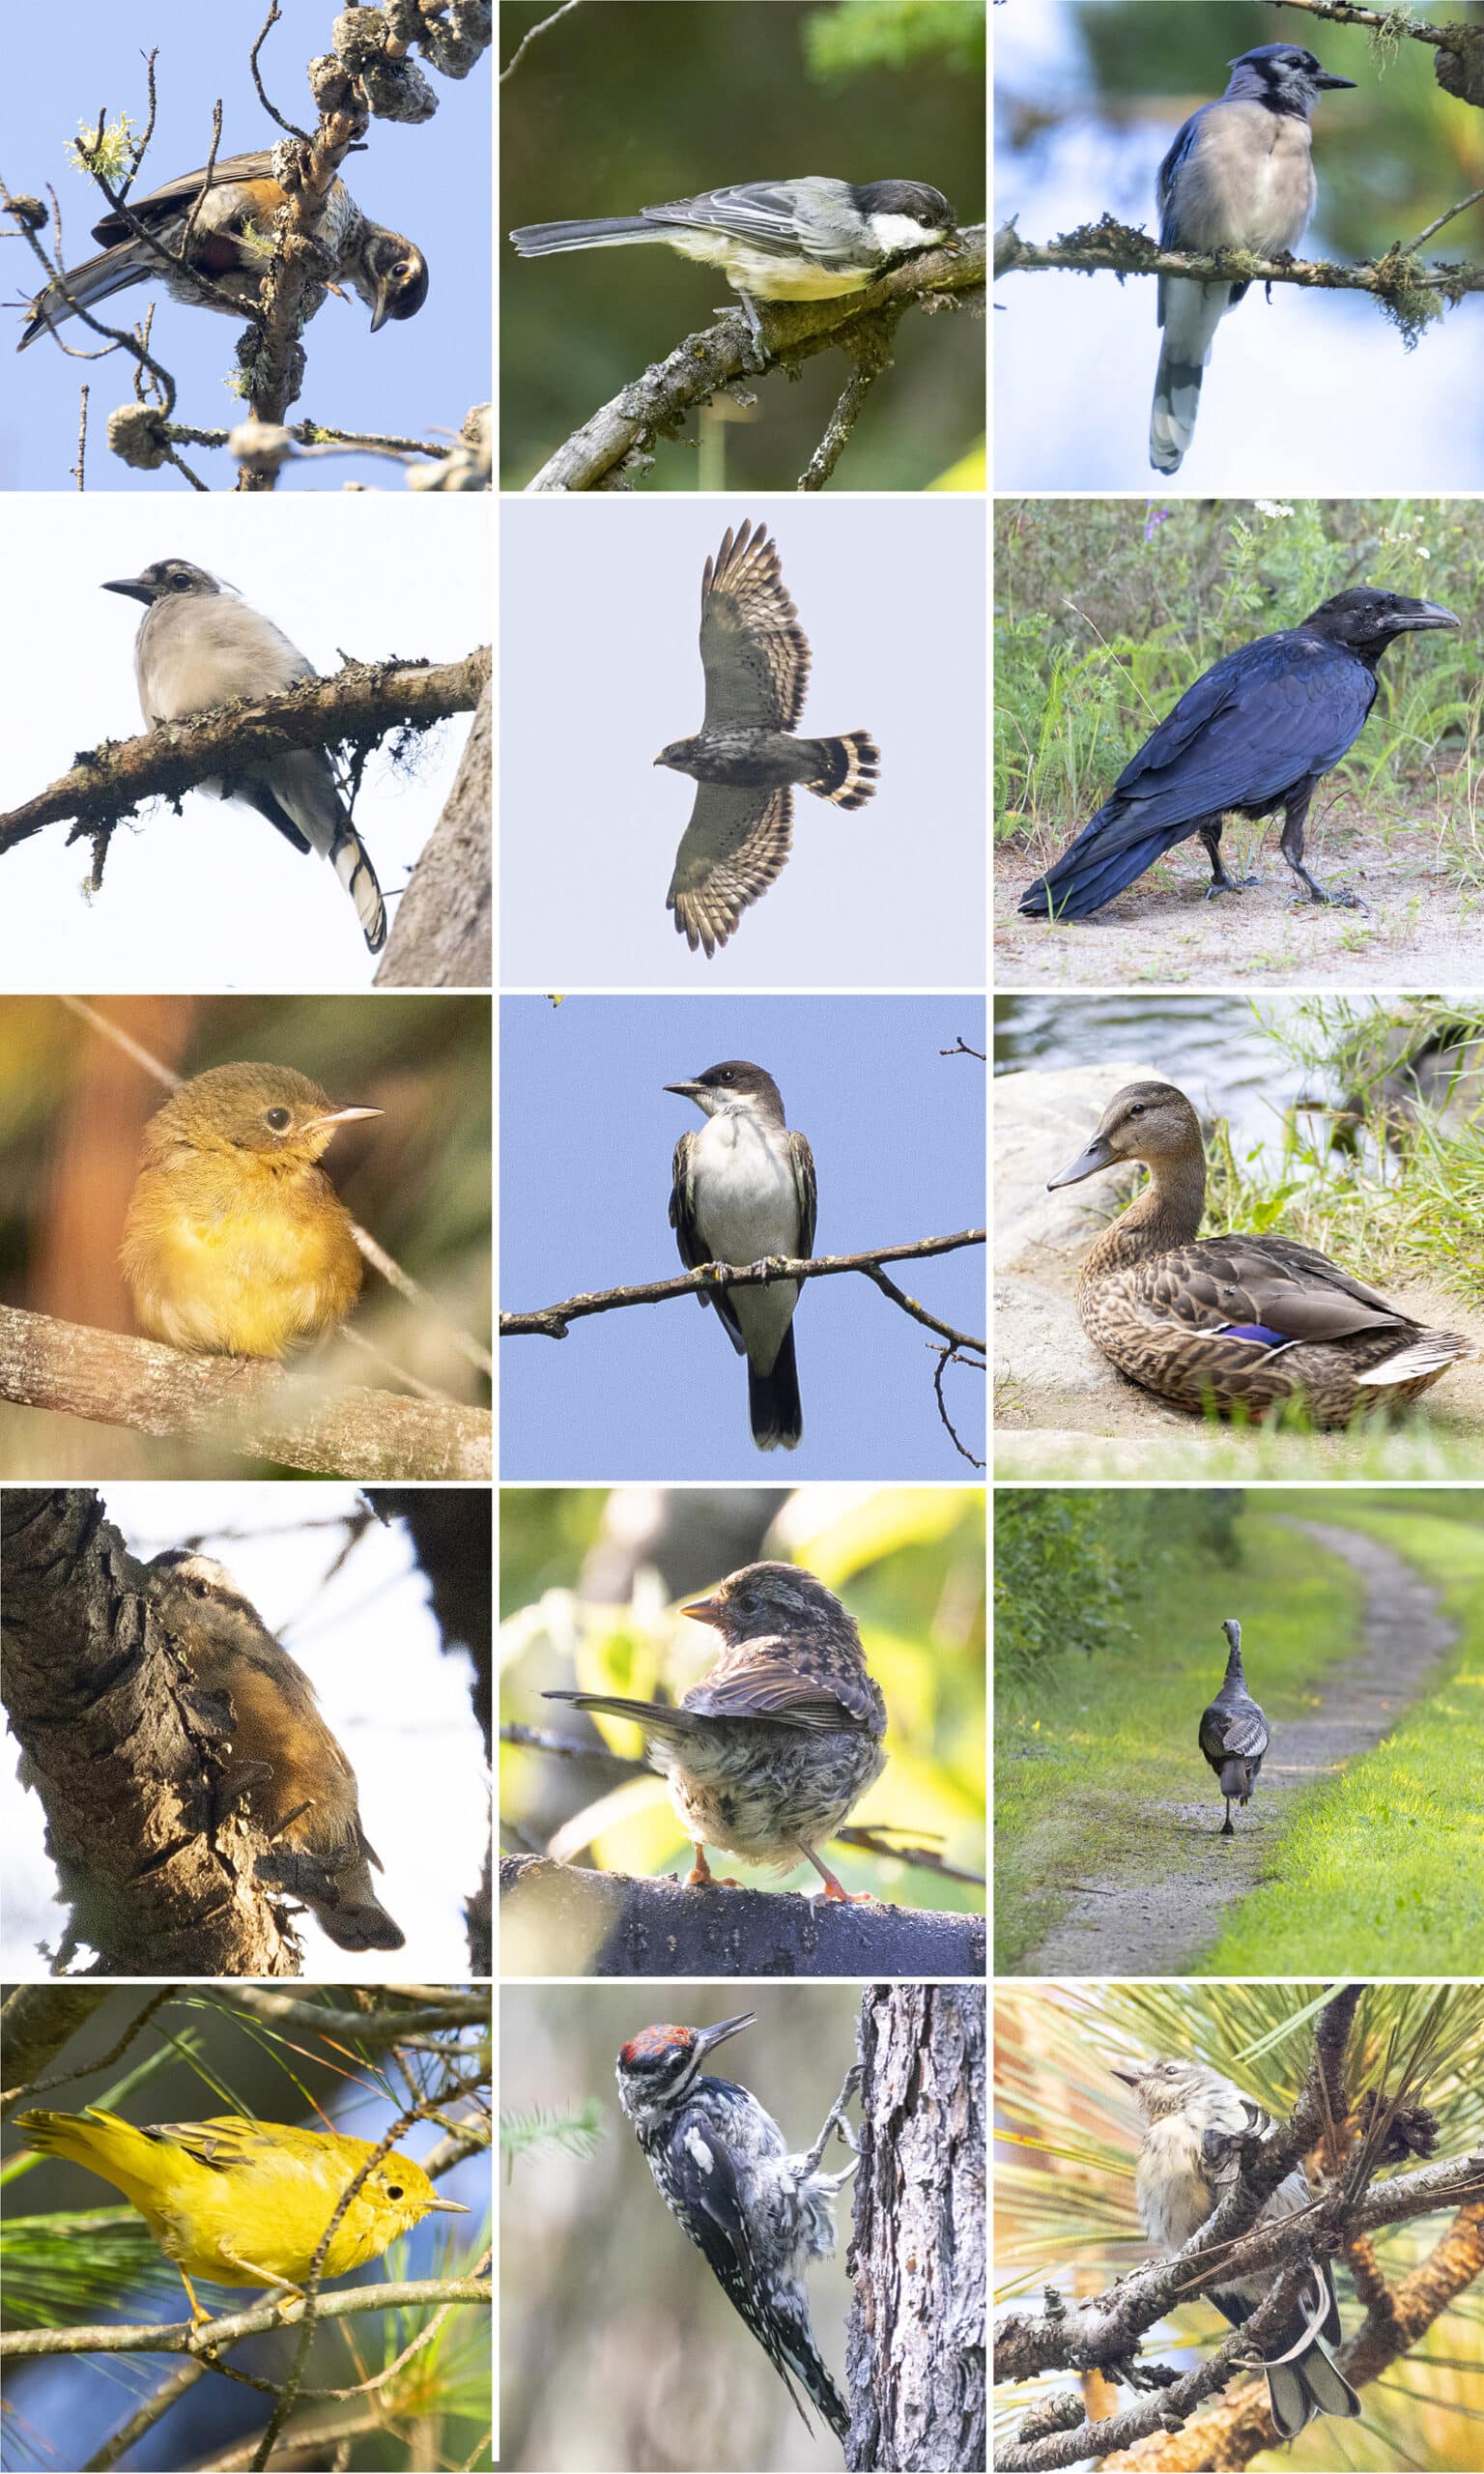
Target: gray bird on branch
x,y
1234,1732
1196,2126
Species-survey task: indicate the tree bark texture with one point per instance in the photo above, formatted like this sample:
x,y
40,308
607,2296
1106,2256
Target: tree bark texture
x,y
123,1754
443,936
915,2348
567,1920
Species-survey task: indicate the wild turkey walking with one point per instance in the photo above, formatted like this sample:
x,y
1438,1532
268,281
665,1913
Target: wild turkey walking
x,y
1234,1733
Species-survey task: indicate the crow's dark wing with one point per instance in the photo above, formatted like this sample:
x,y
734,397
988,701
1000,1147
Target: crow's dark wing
x,y
1256,723
753,650
258,166
734,846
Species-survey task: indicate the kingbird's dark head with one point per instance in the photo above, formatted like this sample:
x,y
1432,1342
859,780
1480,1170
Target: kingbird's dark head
x,y
904,215
772,1598
735,1085
1365,620
164,577
1284,76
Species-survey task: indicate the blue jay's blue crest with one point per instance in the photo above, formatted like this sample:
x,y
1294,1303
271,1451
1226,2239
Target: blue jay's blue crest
x,y
1239,176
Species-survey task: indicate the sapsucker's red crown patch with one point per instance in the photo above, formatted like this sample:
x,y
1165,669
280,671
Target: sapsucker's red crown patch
x,y
651,2044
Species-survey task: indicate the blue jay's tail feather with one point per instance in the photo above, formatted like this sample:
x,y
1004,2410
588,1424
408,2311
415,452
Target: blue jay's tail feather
x,y
602,231
1189,314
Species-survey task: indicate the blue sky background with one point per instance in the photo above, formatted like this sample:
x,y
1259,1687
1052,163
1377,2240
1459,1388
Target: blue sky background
x,y
588,1131
891,895
431,181
1314,394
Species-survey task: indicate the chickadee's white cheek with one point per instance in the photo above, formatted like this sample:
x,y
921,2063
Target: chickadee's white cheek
x,y
893,232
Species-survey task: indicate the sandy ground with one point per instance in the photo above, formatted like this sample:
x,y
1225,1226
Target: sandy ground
x,y
1153,1911
1417,930
1062,1411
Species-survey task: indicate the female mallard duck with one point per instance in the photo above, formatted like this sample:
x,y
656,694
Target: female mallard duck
x,y
1218,1322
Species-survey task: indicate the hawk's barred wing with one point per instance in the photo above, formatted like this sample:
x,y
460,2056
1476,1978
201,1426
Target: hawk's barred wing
x,y
753,650
735,844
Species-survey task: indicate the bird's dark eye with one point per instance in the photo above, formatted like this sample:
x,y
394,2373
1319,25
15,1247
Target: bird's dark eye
x,y
393,2190
400,273
277,1120
1138,1109
200,1589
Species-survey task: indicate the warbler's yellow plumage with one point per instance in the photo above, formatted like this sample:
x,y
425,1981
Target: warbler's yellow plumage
x,y
236,1242
245,2202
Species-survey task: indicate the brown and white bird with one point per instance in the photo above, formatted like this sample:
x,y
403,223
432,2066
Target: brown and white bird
x,y
745,757
768,1754
232,240
280,1754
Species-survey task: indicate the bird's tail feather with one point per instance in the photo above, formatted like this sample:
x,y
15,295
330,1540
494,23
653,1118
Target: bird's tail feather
x,y
1234,1780
1189,314
846,769
95,279
1075,887
1298,2391
603,232
351,863
773,1400
656,1718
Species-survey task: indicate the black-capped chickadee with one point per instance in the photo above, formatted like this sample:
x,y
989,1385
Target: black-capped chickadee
x,y
804,240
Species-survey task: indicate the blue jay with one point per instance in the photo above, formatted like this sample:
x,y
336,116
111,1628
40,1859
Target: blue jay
x,y
1240,176
1193,2121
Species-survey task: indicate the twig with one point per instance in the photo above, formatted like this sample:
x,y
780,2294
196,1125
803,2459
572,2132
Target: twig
x,y
529,37
550,1322
714,360
204,191
841,421
177,2337
285,2010
946,1359
1411,248
1118,249
961,1048
1378,21
290,126
247,1407
362,700
80,466
475,1351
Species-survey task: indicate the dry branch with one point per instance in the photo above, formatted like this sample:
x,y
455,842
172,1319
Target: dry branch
x,y
246,1405
1118,249
358,703
176,2337
589,1923
720,357
550,1322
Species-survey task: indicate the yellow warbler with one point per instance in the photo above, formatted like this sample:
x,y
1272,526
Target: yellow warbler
x,y
245,2202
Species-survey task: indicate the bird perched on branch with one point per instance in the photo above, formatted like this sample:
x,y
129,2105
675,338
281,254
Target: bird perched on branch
x,y
743,1189
199,646
1196,2125
756,2215
235,1241
1256,732
1239,176
233,234
1234,1732
769,1752
804,239
279,1753
745,756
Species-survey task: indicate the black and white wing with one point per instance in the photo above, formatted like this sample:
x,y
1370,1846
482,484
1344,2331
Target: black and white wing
x,y
735,845
753,650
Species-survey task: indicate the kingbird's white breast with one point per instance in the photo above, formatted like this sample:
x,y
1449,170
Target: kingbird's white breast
x,y
746,1206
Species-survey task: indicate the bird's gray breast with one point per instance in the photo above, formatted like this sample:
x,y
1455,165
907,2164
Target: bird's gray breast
x,y
195,649
1250,183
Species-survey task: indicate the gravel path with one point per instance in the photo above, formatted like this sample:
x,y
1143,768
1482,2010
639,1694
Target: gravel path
x,y
1133,1921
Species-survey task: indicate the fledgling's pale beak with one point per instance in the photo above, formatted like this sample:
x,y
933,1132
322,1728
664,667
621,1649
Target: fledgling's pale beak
x,y
341,1116
449,2207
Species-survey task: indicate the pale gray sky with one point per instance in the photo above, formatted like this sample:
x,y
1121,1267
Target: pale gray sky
x,y
215,898
600,669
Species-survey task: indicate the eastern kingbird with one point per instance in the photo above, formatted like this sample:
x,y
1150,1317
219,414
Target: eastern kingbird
x,y
804,239
744,1189
745,756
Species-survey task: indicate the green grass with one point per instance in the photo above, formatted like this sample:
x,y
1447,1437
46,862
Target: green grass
x,y
1077,1754
1388,1859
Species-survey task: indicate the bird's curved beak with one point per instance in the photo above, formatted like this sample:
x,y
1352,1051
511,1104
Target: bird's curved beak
x,y
448,2207
134,586
702,1610
1128,2071
1325,79
1086,1164
710,2037
1426,614
382,310
341,1116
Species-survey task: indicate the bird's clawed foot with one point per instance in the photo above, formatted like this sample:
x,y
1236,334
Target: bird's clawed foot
x,y
1230,884
1318,897
700,1875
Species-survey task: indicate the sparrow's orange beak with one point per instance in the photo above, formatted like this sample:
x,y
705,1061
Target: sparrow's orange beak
x,y
704,1610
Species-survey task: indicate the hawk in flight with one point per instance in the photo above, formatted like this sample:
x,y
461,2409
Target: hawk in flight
x,y
745,756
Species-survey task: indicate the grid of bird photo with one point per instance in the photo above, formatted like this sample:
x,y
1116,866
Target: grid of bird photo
x,y
682,799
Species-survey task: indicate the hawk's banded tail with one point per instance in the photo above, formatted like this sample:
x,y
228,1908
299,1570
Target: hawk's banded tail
x,y
844,768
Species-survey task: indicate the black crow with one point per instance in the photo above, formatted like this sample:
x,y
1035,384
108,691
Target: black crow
x,y
1234,1733
1257,732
